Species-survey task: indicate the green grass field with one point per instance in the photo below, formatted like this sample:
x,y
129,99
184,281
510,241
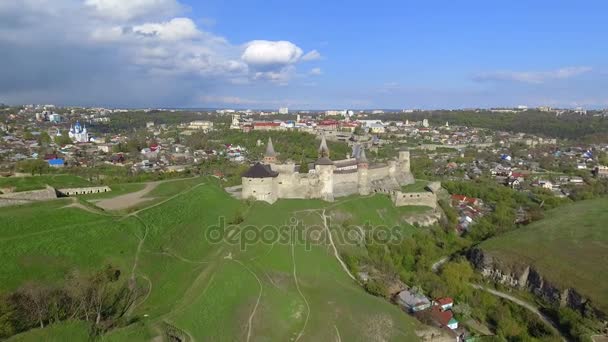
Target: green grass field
x,y
569,247
268,291
418,186
39,182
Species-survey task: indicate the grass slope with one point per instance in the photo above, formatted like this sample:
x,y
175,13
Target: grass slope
x,y
569,247
209,290
39,182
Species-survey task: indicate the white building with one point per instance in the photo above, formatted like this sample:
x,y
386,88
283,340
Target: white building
x,y
283,110
201,125
78,133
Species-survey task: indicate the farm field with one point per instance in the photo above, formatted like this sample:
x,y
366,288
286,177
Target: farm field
x,y
200,288
569,247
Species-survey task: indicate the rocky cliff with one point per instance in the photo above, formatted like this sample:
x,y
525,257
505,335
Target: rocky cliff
x,y
527,278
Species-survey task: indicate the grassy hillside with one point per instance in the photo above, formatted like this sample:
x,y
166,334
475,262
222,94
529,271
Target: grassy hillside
x,y
569,247
39,182
207,290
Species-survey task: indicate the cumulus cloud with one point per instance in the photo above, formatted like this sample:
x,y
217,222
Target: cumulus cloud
x,y
265,53
173,30
132,9
534,77
141,44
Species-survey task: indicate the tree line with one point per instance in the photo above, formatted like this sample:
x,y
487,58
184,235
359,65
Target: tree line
x,y
102,298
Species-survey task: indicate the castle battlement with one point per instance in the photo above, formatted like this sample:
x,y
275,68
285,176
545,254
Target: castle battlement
x,y
271,180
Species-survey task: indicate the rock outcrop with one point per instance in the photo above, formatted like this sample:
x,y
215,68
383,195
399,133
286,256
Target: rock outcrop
x,y
526,277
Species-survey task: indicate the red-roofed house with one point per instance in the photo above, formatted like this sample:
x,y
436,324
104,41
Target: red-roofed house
x,y
266,126
459,199
445,303
444,318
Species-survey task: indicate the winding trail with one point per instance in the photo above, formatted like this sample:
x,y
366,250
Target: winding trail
x,y
530,307
436,265
295,278
338,338
336,254
257,303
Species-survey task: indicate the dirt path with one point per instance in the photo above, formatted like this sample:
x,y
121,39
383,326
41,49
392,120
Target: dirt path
x,y
295,278
338,338
127,200
257,303
165,200
435,266
133,198
530,307
331,241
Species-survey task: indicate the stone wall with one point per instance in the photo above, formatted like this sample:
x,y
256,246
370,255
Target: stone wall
x,y
401,199
25,197
377,173
83,191
346,184
262,189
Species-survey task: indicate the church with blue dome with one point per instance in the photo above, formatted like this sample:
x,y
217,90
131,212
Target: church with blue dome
x,y
78,133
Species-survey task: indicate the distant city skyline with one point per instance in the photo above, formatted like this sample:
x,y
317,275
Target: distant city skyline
x,y
304,56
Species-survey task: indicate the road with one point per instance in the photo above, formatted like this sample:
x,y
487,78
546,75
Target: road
x,y
524,304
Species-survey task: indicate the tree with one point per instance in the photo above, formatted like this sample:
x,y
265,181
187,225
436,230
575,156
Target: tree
x,y
7,316
303,166
44,138
33,166
63,139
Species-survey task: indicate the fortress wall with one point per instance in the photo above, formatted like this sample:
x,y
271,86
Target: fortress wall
x,y
346,184
378,173
261,189
401,199
297,186
284,168
7,202
34,195
83,191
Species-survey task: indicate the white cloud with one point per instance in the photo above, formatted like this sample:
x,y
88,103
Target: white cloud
x,y
126,46
534,77
264,53
312,56
173,30
132,9
316,71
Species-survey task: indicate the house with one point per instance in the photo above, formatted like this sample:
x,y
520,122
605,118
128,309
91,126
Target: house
x,y
577,180
444,318
57,162
445,303
461,199
203,125
412,301
545,184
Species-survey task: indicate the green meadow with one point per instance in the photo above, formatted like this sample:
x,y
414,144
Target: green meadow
x,y
569,247
40,182
238,287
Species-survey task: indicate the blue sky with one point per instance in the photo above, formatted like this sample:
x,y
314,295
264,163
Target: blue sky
x,y
305,54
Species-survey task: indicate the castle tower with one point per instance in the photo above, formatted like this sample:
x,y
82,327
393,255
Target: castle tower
x,y
323,149
404,161
324,168
270,157
362,173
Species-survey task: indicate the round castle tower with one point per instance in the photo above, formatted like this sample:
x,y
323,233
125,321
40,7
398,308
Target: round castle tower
x,y
362,173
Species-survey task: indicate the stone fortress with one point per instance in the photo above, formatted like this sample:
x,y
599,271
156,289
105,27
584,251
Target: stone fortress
x,y
270,180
